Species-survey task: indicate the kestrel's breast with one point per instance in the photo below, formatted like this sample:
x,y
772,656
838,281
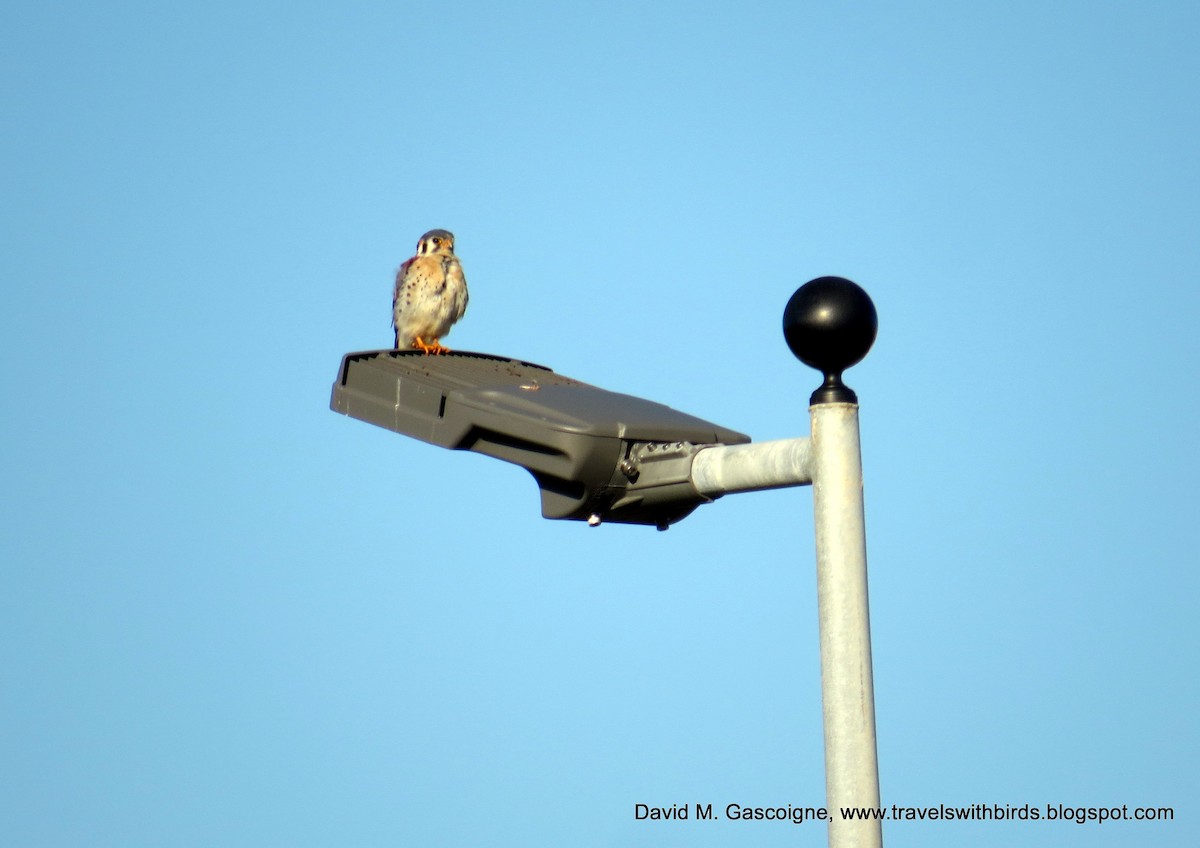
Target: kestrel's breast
x,y
430,295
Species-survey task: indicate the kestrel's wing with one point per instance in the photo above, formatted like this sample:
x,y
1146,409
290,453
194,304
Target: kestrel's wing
x,y
400,277
457,282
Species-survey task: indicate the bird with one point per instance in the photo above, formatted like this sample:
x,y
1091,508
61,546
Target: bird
x,y
430,294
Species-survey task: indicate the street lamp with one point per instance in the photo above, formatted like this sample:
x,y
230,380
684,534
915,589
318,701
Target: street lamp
x,y
600,456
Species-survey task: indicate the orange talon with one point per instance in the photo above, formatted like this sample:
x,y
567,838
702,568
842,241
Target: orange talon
x,y
435,347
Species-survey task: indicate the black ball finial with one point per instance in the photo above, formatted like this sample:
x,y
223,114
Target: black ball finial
x,y
830,324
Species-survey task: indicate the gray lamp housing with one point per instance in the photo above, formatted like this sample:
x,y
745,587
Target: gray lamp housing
x,y
595,454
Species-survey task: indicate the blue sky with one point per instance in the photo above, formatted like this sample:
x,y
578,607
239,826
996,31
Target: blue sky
x,y
232,617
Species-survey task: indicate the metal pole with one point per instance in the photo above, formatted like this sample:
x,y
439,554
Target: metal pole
x,y
724,469
830,323
848,696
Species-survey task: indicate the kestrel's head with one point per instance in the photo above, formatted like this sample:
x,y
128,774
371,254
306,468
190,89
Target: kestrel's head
x,y
436,241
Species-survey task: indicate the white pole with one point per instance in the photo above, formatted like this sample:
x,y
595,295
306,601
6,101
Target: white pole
x,y
848,696
722,469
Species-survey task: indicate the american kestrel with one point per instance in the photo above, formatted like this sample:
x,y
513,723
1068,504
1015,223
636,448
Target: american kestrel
x,y
430,294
